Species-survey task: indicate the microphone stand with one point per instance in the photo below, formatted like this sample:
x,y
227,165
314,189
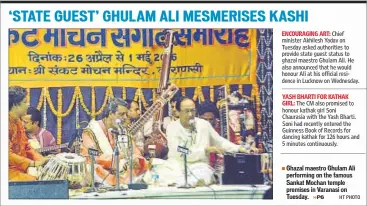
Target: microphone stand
x,y
117,159
185,151
131,185
92,153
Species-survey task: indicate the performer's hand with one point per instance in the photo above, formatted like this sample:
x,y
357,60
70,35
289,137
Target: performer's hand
x,y
243,150
41,162
136,163
254,150
50,156
213,150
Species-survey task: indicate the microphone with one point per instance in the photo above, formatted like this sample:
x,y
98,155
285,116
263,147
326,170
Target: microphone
x,y
121,128
112,131
192,125
119,123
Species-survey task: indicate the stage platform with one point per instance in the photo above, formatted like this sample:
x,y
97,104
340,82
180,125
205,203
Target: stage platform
x,y
214,192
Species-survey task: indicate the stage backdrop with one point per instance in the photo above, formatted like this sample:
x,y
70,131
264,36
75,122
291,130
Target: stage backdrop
x,y
130,57
40,58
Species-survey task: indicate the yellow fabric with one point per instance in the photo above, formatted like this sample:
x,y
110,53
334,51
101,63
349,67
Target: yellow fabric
x,y
231,62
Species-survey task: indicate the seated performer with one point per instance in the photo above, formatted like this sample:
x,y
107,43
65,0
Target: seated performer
x,y
174,114
96,136
38,137
208,111
200,138
250,141
235,127
21,154
133,115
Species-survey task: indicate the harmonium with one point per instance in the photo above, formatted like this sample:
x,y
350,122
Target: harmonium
x,y
241,168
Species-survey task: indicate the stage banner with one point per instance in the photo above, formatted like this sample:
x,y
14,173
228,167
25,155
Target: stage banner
x,y
130,57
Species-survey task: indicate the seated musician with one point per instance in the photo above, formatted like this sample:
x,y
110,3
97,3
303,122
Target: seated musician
x,y
141,137
235,127
201,139
208,111
21,155
174,115
250,141
133,115
38,137
96,136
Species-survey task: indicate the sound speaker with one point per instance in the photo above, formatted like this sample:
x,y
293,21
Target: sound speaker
x,y
51,189
242,169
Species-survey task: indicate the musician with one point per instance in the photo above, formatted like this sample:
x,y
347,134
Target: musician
x,y
21,154
38,137
200,138
174,114
96,136
208,111
134,114
250,141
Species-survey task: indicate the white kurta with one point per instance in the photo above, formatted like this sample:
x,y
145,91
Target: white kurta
x,y
205,136
167,121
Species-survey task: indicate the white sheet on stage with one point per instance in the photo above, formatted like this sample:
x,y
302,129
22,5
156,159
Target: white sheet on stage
x,y
172,171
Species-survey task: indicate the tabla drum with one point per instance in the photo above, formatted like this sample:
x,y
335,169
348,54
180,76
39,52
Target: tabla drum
x,y
55,169
77,169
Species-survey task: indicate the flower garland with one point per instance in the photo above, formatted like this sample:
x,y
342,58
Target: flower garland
x,y
93,110
71,105
195,97
198,94
81,100
28,97
154,95
201,95
240,89
59,117
58,113
44,94
50,104
40,100
256,97
77,126
108,93
111,94
183,92
144,101
140,107
123,93
228,89
211,93
136,95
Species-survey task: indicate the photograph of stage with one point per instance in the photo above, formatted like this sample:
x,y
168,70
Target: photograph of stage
x,y
140,113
